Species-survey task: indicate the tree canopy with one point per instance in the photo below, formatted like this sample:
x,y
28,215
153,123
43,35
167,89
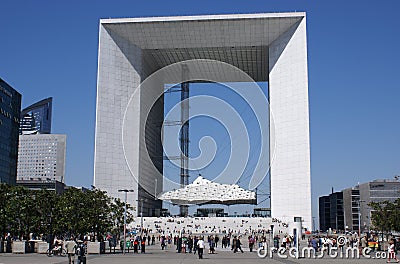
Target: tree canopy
x,y
75,212
385,216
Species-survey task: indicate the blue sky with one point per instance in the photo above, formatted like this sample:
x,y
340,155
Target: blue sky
x,y
49,48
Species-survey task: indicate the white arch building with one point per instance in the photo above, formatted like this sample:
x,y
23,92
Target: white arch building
x,y
269,47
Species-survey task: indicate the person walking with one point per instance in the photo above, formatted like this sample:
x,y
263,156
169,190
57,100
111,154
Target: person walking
x,y
195,240
70,246
143,245
200,247
216,241
190,244
223,242
136,245
163,245
8,243
81,251
391,252
212,245
251,243
237,245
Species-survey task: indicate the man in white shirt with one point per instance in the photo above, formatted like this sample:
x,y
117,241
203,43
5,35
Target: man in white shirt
x,y
70,246
200,247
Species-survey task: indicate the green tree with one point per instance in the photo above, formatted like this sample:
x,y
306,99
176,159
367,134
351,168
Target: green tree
x,y
76,212
118,210
5,193
382,216
17,210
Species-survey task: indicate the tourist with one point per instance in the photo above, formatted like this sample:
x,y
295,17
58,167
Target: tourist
x,y
314,244
284,241
8,243
276,241
136,245
251,243
236,245
81,251
195,240
391,251
183,244
200,247
216,241
363,242
224,244
212,245
70,246
190,244
163,245
143,245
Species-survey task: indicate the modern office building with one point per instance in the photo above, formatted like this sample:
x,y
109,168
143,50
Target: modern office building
x,y
41,157
324,213
269,47
331,212
352,211
379,190
36,118
38,184
351,206
10,107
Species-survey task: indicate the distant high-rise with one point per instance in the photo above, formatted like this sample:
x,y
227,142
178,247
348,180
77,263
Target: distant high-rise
x,y
36,118
331,213
349,209
41,157
10,108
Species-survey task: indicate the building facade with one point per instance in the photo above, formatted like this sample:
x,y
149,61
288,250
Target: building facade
x,y
10,107
50,185
351,204
41,157
376,191
36,118
352,211
266,47
331,212
324,213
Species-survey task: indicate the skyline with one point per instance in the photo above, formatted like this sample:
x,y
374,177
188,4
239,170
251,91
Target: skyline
x,y
353,128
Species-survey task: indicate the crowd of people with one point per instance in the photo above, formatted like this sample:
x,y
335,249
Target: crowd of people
x,y
187,242
371,241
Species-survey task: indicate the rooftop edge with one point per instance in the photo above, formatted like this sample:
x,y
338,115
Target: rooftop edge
x,y
200,17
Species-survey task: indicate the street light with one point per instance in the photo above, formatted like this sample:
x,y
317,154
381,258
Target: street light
x,y
126,194
271,237
313,223
141,216
359,218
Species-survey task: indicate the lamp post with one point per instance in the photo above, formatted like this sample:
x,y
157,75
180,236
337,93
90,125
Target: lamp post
x,y
359,218
126,194
313,223
272,236
141,216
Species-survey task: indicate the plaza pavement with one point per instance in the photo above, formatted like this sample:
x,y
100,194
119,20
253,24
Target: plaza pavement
x,y
155,255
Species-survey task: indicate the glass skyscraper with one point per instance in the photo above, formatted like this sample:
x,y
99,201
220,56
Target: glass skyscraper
x,y
10,108
36,118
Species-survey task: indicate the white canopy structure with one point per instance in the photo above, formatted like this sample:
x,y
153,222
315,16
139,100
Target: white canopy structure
x,y
203,191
